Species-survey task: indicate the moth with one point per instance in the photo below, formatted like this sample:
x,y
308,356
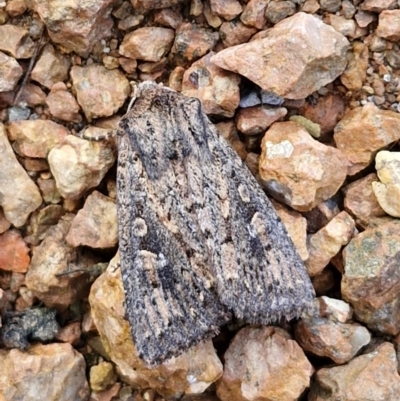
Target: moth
x,y
199,239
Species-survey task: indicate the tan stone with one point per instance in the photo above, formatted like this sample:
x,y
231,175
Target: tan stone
x,y
10,72
102,376
278,10
227,9
360,200
355,73
212,18
148,43
368,377
297,169
186,374
387,191
377,6
16,42
4,223
299,55
70,333
327,242
334,309
363,131
389,25
346,27
234,33
264,364
217,89
14,253
169,18
254,13
63,105
228,130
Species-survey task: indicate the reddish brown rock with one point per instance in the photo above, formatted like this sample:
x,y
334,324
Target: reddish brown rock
x,y
363,131
371,282
229,132
254,13
19,196
191,43
186,374
369,377
264,364
360,200
15,8
78,165
355,73
100,92
235,32
62,104
297,169
70,334
10,72
213,20
378,6
299,66
95,225
337,341
278,10
217,89
16,42
14,253
389,25
156,4
35,138
255,120
148,43
76,25
169,18
51,67
321,215
227,9
327,242
56,372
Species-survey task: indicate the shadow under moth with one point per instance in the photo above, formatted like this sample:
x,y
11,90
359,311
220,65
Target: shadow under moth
x,y
199,238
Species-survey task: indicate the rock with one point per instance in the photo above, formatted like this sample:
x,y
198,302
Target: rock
x,y
31,95
76,25
53,372
19,196
51,67
10,72
389,25
213,20
360,200
296,226
16,8
255,120
234,33
369,377
313,129
78,165
191,43
52,276
335,310
157,4
102,376
100,92
264,364
62,104
70,334
229,132
95,225
387,191
169,18
275,64
186,374
36,138
278,10
14,253
16,42
227,9
355,73
148,43
254,13
371,282
217,89
321,215
4,223
337,341
326,112
363,131
327,242
346,27
49,191
297,169
377,6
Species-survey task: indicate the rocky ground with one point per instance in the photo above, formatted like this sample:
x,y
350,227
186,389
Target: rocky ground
x,y
319,131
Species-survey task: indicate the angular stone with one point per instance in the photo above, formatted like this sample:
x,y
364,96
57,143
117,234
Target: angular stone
x,y
76,25
264,364
234,33
78,165
355,73
327,242
55,371
254,13
186,374
229,132
100,92
377,6
256,120
148,43
335,310
297,57
62,104
217,89
278,10
371,283
387,191
14,253
227,9
10,72
297,169
95,225
36,138
363,131
156,4
19,196
169,18
102,376
16,42
389,25
369,377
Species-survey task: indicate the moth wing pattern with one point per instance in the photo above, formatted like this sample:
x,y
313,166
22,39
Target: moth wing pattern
x,y
198,237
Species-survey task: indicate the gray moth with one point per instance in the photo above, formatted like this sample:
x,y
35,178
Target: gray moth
x,y
199,239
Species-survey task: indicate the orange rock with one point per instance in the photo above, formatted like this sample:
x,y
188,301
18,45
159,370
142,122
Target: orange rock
x,y
14,253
